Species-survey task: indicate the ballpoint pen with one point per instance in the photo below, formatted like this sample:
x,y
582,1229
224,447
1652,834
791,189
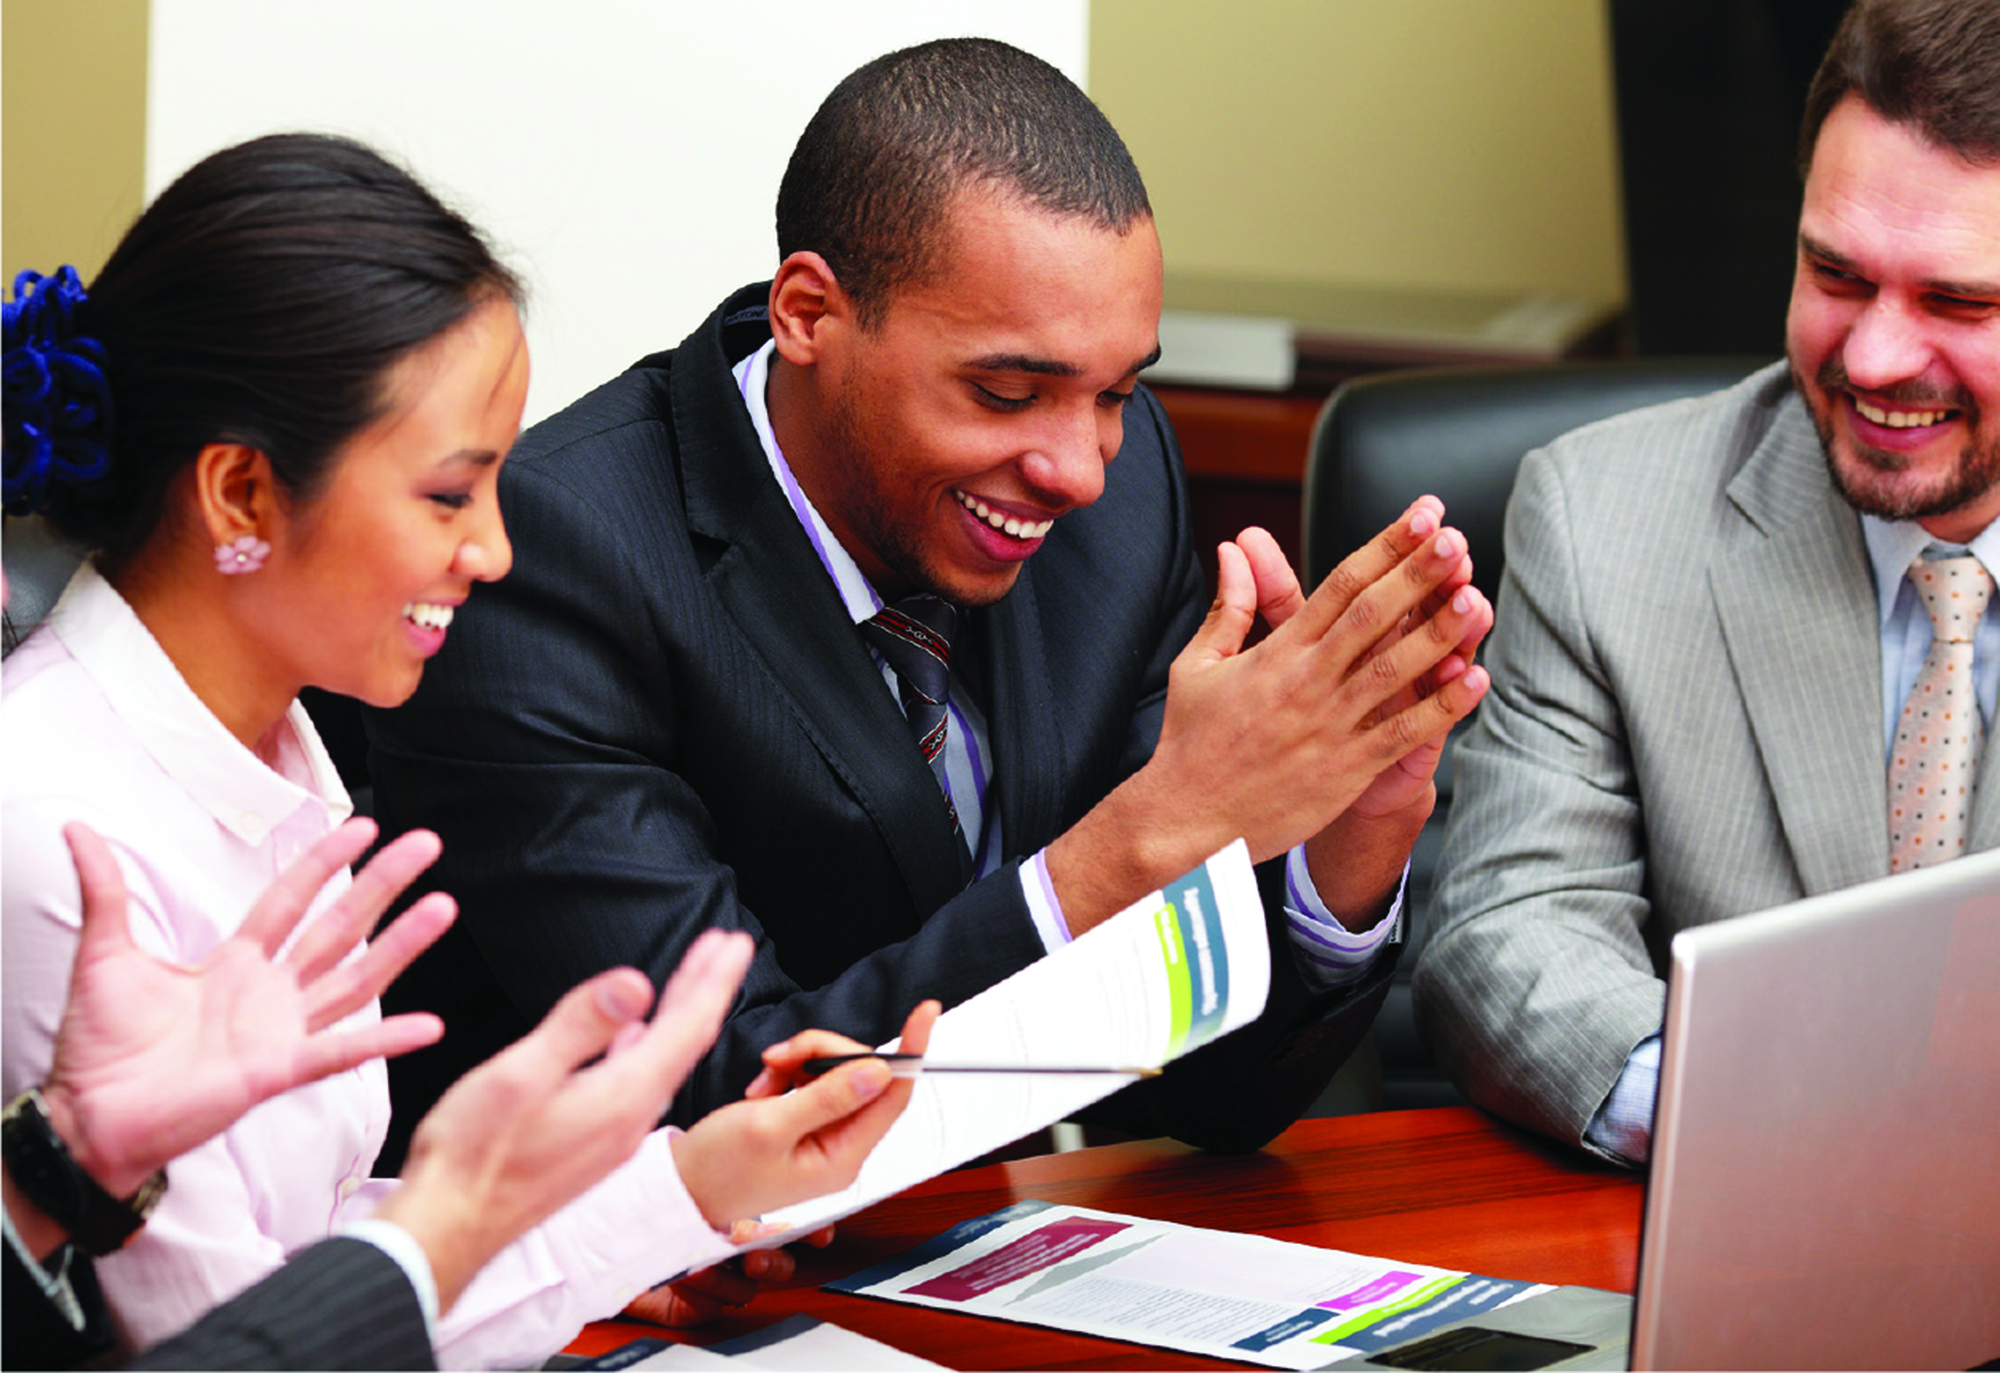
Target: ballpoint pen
x,y
914,1065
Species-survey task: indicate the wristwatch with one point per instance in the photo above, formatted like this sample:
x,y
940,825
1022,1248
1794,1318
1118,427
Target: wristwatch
x,y
39,1163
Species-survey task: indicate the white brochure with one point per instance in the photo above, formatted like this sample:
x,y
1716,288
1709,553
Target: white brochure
x,y
1210,1292
1168,974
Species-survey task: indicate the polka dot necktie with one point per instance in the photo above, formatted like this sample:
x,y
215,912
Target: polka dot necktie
x,y
1931,766
914,638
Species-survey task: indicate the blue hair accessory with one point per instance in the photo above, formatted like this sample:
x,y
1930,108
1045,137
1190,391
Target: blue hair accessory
x,y
58,405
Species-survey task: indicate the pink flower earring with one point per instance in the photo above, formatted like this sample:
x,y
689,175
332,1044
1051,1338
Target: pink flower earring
x,y
243,554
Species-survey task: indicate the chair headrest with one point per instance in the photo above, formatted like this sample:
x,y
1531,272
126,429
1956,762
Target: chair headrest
x,y
1460,433
38,567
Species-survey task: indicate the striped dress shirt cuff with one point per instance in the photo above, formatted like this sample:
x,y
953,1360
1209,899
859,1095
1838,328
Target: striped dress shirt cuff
x,y
1043,907
1327,953
1623,1125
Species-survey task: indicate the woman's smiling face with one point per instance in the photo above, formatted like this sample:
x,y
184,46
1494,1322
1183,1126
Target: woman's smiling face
x,y
364,576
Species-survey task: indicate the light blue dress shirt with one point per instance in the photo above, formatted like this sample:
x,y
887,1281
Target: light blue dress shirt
x,y
1623,1125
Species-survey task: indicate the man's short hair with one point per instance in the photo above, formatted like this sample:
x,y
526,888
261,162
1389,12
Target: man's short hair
x,y
1933,64
875,171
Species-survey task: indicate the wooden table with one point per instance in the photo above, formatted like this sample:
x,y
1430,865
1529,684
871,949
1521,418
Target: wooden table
x,y
1449,1187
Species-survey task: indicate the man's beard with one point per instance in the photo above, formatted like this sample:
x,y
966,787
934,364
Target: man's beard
x,y
1971,478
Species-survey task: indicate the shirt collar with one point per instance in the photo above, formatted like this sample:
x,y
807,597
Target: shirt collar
x,y
1894,544
245,795
752,375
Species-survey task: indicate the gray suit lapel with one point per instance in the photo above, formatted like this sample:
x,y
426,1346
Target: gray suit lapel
x,y
1797,606
1985,830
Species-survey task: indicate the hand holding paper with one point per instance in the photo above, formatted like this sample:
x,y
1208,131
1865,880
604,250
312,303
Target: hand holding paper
x,y
1186,965
772,1149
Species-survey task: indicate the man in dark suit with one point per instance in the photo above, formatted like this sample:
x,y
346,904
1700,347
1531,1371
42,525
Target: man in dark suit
x,y
682,710
341,1303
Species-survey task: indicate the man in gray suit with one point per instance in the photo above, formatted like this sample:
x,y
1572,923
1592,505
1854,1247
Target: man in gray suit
x,y
1711,624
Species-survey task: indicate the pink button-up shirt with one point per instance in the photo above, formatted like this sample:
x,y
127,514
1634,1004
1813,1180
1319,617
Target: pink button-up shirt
x,y
99,726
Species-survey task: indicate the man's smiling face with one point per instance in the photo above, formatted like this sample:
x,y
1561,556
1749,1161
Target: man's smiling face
x,y
1894,329
986,399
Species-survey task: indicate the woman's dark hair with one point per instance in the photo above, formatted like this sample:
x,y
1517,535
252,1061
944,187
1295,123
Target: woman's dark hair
x,y
262,299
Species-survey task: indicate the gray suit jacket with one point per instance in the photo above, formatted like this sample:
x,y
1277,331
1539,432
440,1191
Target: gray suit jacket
x,y
1685,725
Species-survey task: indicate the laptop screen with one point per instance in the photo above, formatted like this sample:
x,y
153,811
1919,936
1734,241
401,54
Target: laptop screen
x,y
1825,1187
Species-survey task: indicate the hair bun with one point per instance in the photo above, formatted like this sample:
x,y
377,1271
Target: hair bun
x,y
58,404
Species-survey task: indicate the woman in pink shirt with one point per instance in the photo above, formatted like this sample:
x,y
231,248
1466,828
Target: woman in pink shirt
x,y
276,422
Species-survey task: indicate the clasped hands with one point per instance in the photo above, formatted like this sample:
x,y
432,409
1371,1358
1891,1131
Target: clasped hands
x,y
1327,733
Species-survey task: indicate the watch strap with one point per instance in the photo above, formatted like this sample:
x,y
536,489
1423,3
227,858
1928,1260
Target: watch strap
x,y
42,1167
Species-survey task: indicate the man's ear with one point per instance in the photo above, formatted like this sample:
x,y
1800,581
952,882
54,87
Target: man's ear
x,y
809,310
234,492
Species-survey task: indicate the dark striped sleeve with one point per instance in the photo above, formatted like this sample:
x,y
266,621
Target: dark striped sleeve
x,y
341,1303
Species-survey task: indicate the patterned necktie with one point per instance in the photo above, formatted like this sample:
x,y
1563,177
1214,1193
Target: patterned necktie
x,y
914,638
1931,767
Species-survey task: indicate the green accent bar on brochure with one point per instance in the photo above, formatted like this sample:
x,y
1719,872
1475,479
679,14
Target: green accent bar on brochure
x,y
1383,1313
1173,955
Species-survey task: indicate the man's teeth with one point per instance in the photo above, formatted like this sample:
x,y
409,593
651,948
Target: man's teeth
x,y
1901,419
1011,525
428,616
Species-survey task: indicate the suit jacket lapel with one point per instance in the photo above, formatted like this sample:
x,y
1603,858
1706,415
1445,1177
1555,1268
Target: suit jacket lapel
x,y
1797,605
772,584
1985,830
1024,720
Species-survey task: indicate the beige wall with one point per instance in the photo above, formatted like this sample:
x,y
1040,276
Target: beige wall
x,y
1452,143
625,157
72,130
1467,144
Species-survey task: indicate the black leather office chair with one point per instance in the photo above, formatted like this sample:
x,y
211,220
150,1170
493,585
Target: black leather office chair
x,y
1459,433
38,568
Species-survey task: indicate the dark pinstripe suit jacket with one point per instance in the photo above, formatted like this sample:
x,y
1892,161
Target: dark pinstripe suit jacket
x,y
341,1303
663,720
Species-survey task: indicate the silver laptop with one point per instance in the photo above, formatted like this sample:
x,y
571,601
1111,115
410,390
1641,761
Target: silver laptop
x,y
1825,1188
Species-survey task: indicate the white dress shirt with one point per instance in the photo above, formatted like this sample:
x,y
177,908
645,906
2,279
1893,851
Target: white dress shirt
x,y
99,726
